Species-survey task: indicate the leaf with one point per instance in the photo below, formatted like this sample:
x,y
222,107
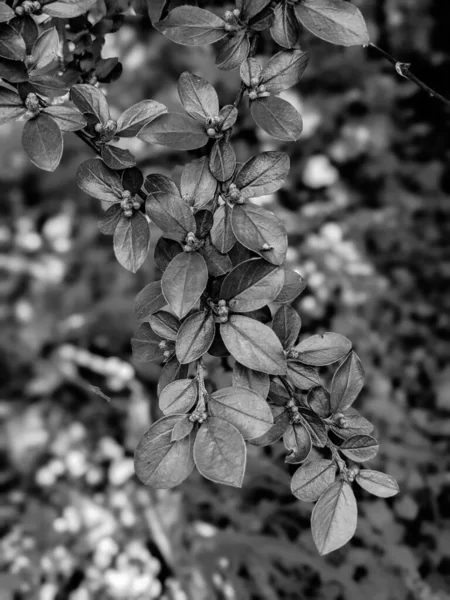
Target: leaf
x,y
293,286
181,429
11,105
174,130
218,347
228,116
132,120
171,371
222,235
302,376
315,426
281,421
250,72
195,337
165,251
278,118
251,285
12,44
203,222
334,517
13,71
145,344
192,26
257,229
184,281
254,345
43,142
164,324
285,30
166,209
117,158
298,444
218,264
108,223
350,425
263,174
334,21
222,160
220,452
6,13
322,349
198,97
149,301
250,8
360,448
319,401
377,483
198,185
45,49
155,9
284,70
48,85
158,461
90,100
68,9
67,117
27,27
178,397
347,383
132,180
97,180
232,50
311,480
248,378
287,324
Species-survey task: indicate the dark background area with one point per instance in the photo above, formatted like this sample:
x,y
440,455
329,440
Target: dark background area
x,y
367,208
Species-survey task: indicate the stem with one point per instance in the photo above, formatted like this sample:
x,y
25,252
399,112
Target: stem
x,y
202,393
403,69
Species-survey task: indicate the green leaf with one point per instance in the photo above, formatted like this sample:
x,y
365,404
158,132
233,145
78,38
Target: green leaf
x,y
165,251
11,105
250,72
322,349
377,483
159,462
243,408
195,337
278,118
13,71
248,378
222,235
90,100
145,344
302,376
220,452
311,480
174,130
131,121
12,44
192,26
222,160
254,345
287,324
198,97
260,231
284,70
181,429
45,50
203,221
218,264
108,223
43,142
117,158
171,371
149,301
250,8
198,185
281,421
278,394
263,174
297,442
334,517
178,397
6,13
184,281
315,427
27,27
68,9
319,401
293,286
347,383
164,324
166,208
360,448
285,30
48,85
228,116
97,180
132,180
251,285
232,50
67,117
334,21
155,9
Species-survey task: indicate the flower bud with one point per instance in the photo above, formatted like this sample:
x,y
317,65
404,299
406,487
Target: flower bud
x,y
136,205
211,132
262,88
254,81
19,11
36,6
253,95
99,128
222,303
228,16
110,126
237,13
128,213
167,354
229,27
162,344
266,247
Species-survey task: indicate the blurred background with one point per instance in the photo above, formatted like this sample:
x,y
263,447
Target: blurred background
x,y
367,208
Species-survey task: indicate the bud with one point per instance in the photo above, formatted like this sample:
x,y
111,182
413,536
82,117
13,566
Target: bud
x,y
216,120
229,27
27,7
211,132
126,194
352,473
222,303
266,247
254,81
167,354
262,88
228,16
128,213
162,344
99,128
136,205
253,95
36,6
193,418
19,11
237,13
110,126
296,418
223,319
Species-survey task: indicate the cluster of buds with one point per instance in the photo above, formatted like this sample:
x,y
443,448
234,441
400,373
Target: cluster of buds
x,y
351,474
27,8
257,90
340,420
32,104
232,21
214,127
292,354
294,412
234,194
106,130
129,203
191,243
198,416
168,352
221,310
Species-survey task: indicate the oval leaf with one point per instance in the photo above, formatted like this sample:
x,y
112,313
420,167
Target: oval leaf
x,y
285,29
12,44
195,337
222,235
347,383
281,421
302,376
284,70
311,480
222,160
90,100
322,349
377,483
255,380
360,448
149,301
165,325
278,118
146,344
263,174
99,181
198,185
43,142
287,324
131,241
66,116
174,130
130,122
11,105
192,26
198,97
184,281
178,397
108,223
293,286
297,442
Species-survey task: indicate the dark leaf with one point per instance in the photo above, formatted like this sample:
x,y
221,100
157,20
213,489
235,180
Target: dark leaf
x,y
158,461
254,345
181,429
155,9
45,50
285,29
250,8
184,281
263,20
108,70
11,105
178,397
293,286
192,26
6,13
278,394
287,324
27,27
108,223
347,383
48,85
311,480
222,160
278,118
284,70
232,50
146,344
67,117
322,349
220,452
228,116
248,378
240,253
97,180
281,420
130,122
117,158
131,241
302,376
195,337
90,100
334,517
165,251
218,348
263,174
204,221
164,324
13,71
360,448
377,483
222,235
198,97
319,401
174,130
197,183
12,44
149,301
315,426
297,442
132,180
43,142
171,371
218,264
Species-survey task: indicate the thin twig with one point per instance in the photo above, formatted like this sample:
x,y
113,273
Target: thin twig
x,y
403,69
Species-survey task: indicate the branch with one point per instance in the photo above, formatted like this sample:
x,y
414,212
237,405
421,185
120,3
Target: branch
x,y
403,69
